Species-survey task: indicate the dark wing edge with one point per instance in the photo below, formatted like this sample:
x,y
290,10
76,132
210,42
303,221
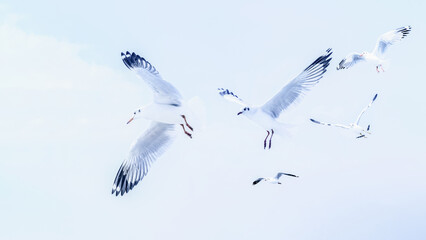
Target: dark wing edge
x,y
257,181
309,77
135,168
404,30
132,60
287,174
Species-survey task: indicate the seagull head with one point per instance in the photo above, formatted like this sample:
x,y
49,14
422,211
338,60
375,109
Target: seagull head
x,y
136,115
245,110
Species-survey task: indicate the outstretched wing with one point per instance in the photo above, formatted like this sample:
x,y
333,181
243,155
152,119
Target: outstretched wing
x,y
389,38
230,96
164,92
257,181
146,149
329,124
365,109
296,88
287,174
350,61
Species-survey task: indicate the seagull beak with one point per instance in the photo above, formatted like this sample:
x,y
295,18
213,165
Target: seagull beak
x,y
239,113
131,119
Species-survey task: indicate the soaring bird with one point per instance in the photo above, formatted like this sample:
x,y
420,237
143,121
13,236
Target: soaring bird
x,y
266,115
167,110
377,56
273,180
355,127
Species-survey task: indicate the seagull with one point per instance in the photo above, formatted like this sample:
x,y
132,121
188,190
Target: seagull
x,y
273,180
266,115
355,127
377,56
165,112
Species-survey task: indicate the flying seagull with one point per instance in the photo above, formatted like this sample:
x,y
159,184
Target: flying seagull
x,y
355,127
274,180
377,56
266,115
165,112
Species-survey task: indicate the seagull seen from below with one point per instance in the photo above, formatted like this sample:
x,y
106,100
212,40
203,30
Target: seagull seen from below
x,y
377,56
273,180
266,115
355,127
165,112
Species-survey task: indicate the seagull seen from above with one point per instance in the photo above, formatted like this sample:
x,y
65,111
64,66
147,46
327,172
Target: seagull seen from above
x,y
273,180
165,112
267,114
355,127
377,56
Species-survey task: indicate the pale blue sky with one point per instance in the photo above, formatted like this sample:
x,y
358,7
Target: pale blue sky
x,y
65,97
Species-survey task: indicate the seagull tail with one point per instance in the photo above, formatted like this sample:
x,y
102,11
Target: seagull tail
x,y
285,130
196,113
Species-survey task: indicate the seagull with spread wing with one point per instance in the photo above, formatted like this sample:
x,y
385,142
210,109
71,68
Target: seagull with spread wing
x,y
266,115
165,112
355,127
273,180
377,56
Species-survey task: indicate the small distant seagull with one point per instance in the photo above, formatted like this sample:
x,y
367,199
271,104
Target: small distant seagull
x,y
166,111
377,56
266,115
353,126
273,180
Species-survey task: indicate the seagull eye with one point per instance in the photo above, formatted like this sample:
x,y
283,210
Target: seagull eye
x,y
139,110
134,113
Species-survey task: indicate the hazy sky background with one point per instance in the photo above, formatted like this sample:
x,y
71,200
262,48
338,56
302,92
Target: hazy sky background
x,y
65,97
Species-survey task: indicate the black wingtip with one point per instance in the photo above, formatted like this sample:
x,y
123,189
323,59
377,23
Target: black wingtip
x,y
314,121
375,96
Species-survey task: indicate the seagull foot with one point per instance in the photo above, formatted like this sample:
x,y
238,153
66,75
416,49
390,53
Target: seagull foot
x,y
186,123
264,142
187,133
270,139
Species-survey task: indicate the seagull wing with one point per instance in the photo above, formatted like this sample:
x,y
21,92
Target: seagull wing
x,y
389,38
350,61
145,150
296,88
230,96
329,124
365,109
257,181
287,174
164,92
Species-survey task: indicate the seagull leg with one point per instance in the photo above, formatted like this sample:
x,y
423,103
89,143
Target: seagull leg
x,y
383,70
184,118
264,142
377,69
187,133
270,139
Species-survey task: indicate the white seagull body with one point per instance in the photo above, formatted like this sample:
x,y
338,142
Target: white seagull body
x,y
377,55
354,127
273,180
165,112
266,115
